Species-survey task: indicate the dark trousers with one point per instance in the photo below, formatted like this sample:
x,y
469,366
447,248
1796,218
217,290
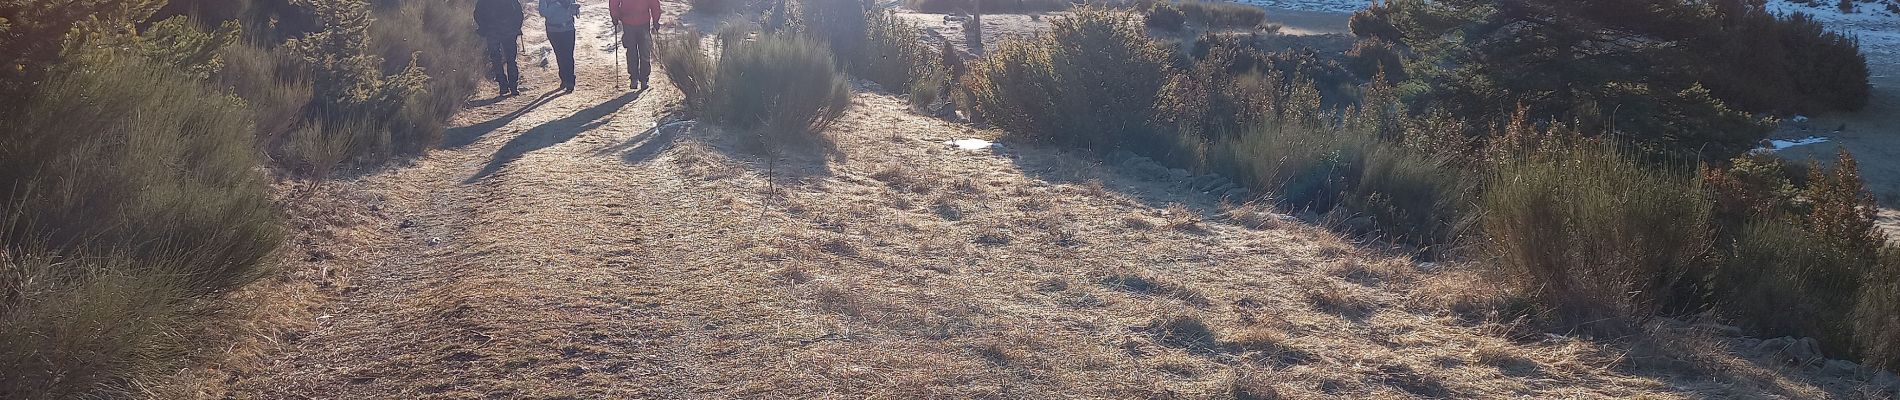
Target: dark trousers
x,y
638,40
501,63
564,55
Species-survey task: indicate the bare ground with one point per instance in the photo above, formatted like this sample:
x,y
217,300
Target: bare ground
x,y
577,247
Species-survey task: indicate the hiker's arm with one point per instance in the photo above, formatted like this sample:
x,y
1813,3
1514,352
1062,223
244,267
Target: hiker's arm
x,y
520,17
655,6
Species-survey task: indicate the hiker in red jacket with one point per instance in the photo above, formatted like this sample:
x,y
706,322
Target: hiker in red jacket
x,y
638,20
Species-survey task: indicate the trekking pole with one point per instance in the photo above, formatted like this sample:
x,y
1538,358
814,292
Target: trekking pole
x,y
620,43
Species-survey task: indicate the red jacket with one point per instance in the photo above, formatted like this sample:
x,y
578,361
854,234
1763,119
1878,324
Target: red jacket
x,y
635,12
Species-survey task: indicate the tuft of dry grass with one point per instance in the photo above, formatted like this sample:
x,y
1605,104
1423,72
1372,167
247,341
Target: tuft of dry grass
x,y
1181,219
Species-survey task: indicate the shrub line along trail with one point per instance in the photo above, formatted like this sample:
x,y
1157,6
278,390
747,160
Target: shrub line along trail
x,y
573,246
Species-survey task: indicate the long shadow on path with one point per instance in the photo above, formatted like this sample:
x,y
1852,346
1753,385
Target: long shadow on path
x,y
552,133
650,143
463,136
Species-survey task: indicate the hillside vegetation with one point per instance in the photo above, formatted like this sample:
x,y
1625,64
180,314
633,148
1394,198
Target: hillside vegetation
x,y
1512,195
140,145
1487,151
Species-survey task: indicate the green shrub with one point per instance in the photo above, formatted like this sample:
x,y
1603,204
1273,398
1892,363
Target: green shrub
x,y
1165,16
1370,57
1223,15
841,25
120,156
714,7
873,44
1411,197
1762,62
1230,87
777,87
126,190
1092,82
1406,196
1594,235
1786,281
438,39
928,89
1842,210
271,83
87,327
896,55
684,60
1877,316
34,34
377,79
1682,79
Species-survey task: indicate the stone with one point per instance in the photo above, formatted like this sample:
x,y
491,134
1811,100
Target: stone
x,y
1796,351
1208,182
1886,380
1772,346
1152,170
1842,368
1129,162
1805,351
1223,188
1177,174
1725,330
1360,225
1238,194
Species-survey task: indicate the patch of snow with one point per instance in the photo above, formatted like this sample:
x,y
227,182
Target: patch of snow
x,y
1876,27
1339,6
1782,144
1799,119
971,144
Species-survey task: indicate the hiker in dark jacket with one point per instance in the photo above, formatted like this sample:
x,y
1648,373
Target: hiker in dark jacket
x,y
499,23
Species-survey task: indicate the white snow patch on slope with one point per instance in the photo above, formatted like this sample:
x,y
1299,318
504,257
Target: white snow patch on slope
x,y
1779,144
1878,29
1339,6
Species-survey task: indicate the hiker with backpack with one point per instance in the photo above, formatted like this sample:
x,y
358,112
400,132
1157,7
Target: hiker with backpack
x,y
638,20
560,15
498,22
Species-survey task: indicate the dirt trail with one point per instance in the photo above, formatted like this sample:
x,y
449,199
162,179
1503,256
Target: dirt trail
x,y
575,247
